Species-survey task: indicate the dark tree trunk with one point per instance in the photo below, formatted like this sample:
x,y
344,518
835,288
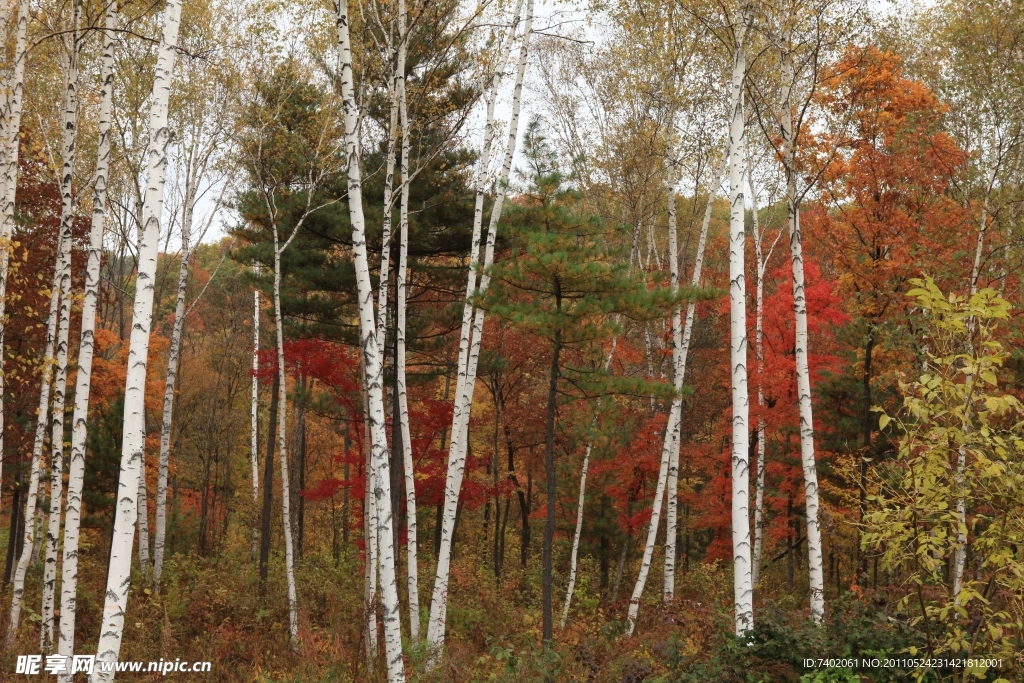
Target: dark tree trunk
x,y
268,486
789,553
549,473
344,499
13,536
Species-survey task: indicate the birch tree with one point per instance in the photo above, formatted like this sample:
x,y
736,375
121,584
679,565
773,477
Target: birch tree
x,y
790,129
254,436
11,106
134,437
371,354
201,119
69,128
742,589
288,115
670,449
63,254
400,305
469,340
86,350
762,267
683,345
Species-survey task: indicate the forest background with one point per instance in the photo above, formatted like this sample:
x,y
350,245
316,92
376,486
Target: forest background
x,y
408,340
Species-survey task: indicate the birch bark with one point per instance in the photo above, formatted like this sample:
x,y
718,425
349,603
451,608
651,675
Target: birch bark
x,y
672,483
70,125
254,437
671,432
31,503
400,285
86,349
803,375
134,439
371,356
960,553
282,443
579,508
469,353
762,264
173,355
11,115
742,589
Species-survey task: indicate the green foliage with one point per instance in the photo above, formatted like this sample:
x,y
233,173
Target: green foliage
x,y
568,278
961,444
776,648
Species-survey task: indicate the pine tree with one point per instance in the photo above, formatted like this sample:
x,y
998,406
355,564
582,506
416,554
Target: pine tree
x,y
566,283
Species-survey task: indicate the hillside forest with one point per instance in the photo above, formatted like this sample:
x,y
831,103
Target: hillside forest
x,y
504,340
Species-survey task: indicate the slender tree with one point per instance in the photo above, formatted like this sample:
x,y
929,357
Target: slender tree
x,y
134,435
469,348
86,350
372,360
743,591
11,106
69,128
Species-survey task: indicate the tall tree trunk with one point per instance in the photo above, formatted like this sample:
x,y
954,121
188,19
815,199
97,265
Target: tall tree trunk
x,y
469,356
10,115
268,485
549,476
579,508
960,552
652,528
371,357
370,519
31,503
803,373
173,358
14,534
254,435
143,509
282,445
134,438
762,265
403,399
86,349
70,126
742,589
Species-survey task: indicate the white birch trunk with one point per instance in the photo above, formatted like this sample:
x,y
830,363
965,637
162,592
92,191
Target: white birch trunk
x,y
672,483
762,264
803,374
134,439
254,436
173,358
467,374
11,116
372,359
143,508
70,125
671,429
282,444
960,553
403,399
86,348
579,508
34,486
576,537
742,590
670,450
370,536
